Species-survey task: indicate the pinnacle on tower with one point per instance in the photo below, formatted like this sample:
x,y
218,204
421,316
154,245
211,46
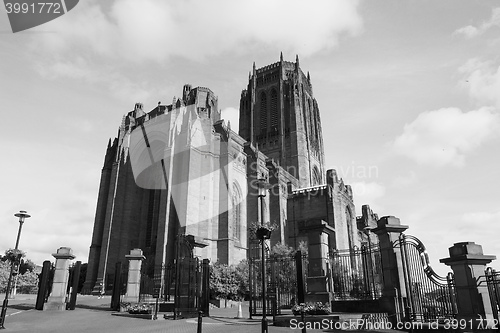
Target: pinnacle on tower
x,y
281,56
297,60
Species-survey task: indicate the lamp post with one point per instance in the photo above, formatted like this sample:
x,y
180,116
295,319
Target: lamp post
x,y
22,216
263,233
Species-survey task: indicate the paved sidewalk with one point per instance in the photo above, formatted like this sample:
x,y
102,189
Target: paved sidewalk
x,y
92,315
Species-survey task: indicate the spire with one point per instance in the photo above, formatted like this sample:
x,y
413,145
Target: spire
x,y
308,77
297,60
249,75
281,56
109,143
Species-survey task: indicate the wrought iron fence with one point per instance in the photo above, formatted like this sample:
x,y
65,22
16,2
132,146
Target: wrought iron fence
x,y
356,273
281,283
493,283
429,297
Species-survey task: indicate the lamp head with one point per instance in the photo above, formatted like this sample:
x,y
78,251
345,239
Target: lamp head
x,y
22,215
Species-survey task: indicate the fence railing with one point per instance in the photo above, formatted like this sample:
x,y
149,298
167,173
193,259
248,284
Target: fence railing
x,y
430,296
493,283
282,283
356,273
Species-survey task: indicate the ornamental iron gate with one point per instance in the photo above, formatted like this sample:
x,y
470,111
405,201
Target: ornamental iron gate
x,y
493,283
284,283
429,297
183,282
356,273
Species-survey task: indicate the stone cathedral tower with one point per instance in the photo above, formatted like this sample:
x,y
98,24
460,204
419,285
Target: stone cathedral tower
x,y
179,170
279,115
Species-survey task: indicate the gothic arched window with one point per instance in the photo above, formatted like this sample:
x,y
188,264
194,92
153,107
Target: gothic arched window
x,y
274,110
263,113
316,177
236,204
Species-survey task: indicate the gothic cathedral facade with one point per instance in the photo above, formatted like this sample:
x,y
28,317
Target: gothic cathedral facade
x,y
180,170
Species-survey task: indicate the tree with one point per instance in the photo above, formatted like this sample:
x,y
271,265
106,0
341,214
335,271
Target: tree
x,y
27,279
229,281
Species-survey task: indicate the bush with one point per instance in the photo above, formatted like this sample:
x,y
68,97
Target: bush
x,y
229,281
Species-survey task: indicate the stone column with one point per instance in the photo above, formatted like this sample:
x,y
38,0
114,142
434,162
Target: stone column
x,y
388,230
317,243
135,259
468,264
57,298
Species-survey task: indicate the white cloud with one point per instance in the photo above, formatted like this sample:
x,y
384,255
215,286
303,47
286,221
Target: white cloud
x,y
78,68
482,80
405,180
367,193
482,218
472,31
231,115
443,137
155,30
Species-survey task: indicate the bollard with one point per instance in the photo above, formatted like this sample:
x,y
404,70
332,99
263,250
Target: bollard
x,y
200,317
303,319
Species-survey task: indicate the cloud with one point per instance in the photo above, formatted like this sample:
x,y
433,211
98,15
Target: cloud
x,y
367,193
482,218
405,180
231,115
153,30
79,68
472,31
482,80
443,137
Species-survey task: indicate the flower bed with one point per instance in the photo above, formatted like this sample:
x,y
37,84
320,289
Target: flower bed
x,y
136,308
317,308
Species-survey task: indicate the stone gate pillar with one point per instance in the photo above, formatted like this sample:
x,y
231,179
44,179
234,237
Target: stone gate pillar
x,y
318,286
394,292
135,259
468,264
57,298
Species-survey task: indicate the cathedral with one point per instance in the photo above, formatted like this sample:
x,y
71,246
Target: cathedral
x,y
179,169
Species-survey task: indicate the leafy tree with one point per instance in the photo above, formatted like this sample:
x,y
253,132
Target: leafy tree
x,y
223,281
229,281
27,279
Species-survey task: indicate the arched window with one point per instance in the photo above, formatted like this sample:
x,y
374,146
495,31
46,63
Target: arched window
x,y
263,113
316,177
274,110
236,205
348,216
312,120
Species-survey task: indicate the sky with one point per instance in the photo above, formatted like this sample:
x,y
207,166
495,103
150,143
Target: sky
x,y
408,92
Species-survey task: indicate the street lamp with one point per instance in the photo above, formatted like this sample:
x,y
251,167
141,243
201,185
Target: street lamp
x,y
22,216
263,233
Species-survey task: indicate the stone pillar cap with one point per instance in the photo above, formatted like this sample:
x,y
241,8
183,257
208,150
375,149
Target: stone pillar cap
x,y
390,224
64,253
468,251
135,254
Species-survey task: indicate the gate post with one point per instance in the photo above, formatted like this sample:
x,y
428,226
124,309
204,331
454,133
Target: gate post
x,y
300,277
388,230
57,299
205,287
42,285
74,285
135,259
468,264
117,286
